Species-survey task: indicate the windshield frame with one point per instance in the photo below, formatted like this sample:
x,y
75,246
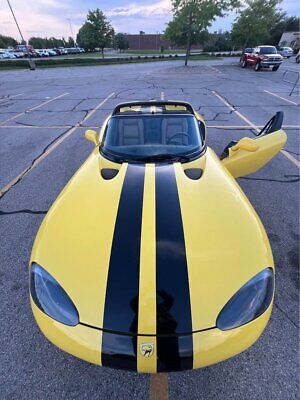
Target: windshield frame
x,y
159,158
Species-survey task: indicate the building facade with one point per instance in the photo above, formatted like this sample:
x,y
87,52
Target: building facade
x,y
290,39
145,41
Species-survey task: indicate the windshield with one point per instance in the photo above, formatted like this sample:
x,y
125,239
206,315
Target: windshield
x,y
268,50
147,138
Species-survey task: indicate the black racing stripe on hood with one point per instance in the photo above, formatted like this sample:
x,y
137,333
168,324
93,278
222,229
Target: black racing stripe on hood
x,y
122,290
172,284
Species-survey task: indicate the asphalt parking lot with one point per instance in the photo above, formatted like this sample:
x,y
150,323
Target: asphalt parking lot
x,y
43,116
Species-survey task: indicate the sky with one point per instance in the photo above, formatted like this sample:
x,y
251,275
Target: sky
x,y
47,18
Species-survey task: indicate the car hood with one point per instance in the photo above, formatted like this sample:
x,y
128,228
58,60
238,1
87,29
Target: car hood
x,y
152,250
272,55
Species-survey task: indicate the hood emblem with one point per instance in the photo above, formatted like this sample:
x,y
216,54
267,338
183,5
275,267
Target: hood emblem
x,y
147,349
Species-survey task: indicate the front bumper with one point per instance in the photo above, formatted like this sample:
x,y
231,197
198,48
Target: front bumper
x,y
175,353
267,64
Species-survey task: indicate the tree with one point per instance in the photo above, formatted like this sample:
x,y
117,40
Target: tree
x,y
218,41
37,42
192,18
284,24
96,32
7,41
255,23
121,41
70,42
46,43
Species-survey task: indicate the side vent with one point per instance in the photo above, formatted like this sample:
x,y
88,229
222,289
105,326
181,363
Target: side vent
x,y
108,173
193,173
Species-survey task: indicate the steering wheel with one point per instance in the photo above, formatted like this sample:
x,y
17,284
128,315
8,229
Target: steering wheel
x,y
181,134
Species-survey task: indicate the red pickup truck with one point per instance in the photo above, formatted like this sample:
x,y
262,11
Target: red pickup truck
x,y
261,57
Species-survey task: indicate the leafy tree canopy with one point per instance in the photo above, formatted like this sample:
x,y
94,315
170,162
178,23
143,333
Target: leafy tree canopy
x,y
256,23
7,41
121,41
96,32
192,18
49,43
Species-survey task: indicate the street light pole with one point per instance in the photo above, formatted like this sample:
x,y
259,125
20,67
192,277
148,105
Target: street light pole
x,y
72,33
23,41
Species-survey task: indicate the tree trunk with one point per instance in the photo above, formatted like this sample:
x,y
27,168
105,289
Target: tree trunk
x,y
188,44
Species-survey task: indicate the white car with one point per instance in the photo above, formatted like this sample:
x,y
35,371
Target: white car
x,y
285,52
42,52
19,54
63,50
51,52
5,54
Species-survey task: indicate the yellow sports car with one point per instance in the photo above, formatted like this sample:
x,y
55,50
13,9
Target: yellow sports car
x,y
152,259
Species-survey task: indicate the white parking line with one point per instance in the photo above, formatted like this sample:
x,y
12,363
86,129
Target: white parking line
x,y
291,158
248,122
286,154
3,100
50,149
280,97
214,69
33,108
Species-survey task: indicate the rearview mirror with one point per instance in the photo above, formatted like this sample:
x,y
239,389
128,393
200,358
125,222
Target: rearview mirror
x,y
92,136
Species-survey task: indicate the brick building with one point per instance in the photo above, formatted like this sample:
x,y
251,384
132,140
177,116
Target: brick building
x,y
144,41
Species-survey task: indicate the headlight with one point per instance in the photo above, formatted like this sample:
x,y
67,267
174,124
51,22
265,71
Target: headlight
x,y
51,298
249,302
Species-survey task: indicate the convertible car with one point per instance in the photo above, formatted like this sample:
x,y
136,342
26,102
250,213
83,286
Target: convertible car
x,y
152,259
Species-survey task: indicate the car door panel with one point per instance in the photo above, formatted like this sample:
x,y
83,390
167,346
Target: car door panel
x,y
241,161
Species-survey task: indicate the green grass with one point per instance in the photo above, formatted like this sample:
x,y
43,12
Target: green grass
x,y
145,52
76,61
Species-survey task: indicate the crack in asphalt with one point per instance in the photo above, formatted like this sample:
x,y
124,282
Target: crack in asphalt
x,y
32,164
24,211
295,178
79,102
217,115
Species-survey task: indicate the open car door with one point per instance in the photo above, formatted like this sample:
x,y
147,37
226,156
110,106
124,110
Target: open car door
x,y
249,155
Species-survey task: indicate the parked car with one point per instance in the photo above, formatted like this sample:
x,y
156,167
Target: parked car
x,y
262,57
27,50
298,57
62,50
5,54
11,53
73,50
247,50
42,53
285,52
19,54
51,52
57,51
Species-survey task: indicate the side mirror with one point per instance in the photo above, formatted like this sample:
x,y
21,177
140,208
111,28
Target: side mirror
x,y
92,136
246,144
